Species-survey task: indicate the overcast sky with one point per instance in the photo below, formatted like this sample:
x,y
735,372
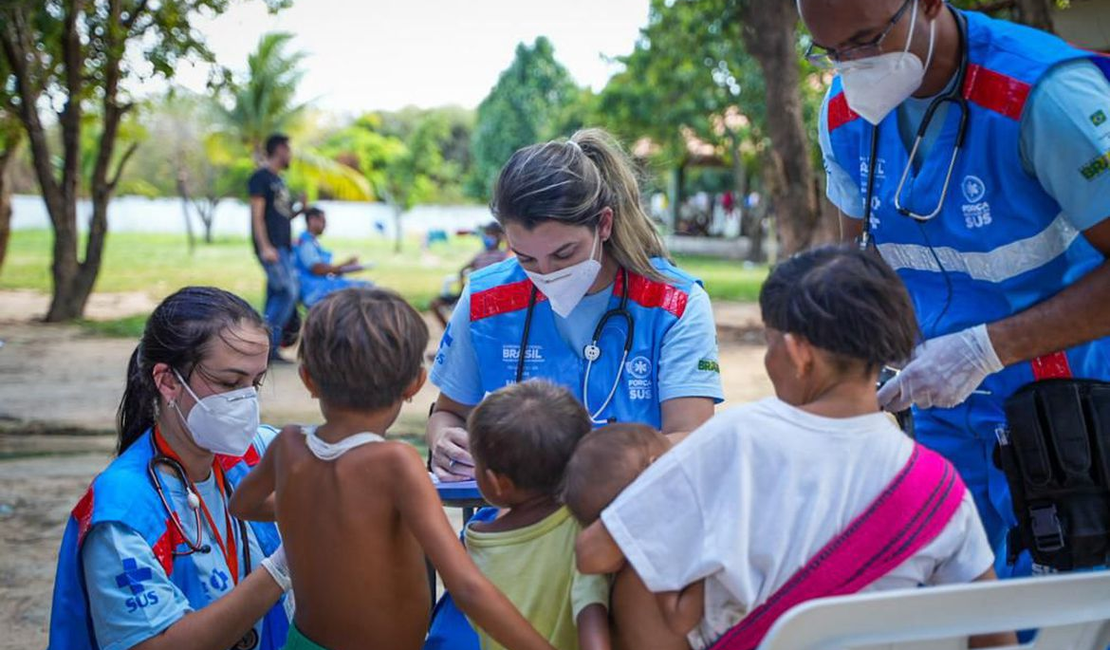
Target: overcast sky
x,y
386,54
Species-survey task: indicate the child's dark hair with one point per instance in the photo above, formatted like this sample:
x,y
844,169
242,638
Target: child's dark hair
x,y
313,213
177,334
527,432
844,301
363,347
605,462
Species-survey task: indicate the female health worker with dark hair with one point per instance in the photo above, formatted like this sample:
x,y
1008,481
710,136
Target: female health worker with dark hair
x,y
590,302
151,558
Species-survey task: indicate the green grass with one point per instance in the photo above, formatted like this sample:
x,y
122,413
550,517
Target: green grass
x,y
726,279
126,327
158,264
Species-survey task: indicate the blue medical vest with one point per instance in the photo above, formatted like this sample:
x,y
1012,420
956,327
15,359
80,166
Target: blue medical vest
x,y
1004,244
499,301
313,287
124,494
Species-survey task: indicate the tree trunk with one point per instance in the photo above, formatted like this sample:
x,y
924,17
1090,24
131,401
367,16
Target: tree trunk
x,y
397,237
769,35
1036,13
207,213
6,157
73,280
678,182
183,192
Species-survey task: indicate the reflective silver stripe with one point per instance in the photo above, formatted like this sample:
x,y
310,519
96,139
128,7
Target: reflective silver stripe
x,y
999,265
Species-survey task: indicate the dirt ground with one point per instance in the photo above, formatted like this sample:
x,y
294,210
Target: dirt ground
x,y
59,388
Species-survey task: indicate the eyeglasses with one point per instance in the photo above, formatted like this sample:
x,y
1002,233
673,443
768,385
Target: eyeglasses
x,y
826,58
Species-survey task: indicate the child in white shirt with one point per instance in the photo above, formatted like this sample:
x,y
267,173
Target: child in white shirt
x,y
726,518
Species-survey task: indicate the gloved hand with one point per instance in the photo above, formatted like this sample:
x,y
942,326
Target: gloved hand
x,y
279,568
943,371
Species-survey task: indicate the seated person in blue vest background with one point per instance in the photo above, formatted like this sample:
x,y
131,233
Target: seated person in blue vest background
x,y
318,275
491,253
1002,242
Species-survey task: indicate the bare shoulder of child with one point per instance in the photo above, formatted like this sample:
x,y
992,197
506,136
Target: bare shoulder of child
x,y
358,573
358,513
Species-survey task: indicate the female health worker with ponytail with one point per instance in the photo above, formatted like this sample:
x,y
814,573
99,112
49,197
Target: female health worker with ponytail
x,y
590,302
151,558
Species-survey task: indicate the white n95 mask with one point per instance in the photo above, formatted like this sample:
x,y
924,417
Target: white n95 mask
x,y
565,288
224,423
875,86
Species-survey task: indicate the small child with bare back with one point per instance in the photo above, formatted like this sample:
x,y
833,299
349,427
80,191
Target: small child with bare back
x,y
357,513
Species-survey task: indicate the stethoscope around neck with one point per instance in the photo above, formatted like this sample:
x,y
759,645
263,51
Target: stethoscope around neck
x,y
196,545
954,96
592,351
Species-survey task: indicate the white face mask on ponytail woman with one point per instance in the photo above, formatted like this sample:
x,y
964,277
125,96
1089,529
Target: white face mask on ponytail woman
x,y
566,287
875,86
224,423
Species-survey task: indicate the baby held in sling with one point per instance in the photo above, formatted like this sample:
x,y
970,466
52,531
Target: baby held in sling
x,y
812,493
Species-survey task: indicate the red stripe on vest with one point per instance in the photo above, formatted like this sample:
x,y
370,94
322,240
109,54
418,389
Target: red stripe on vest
x,y
82,513
996,92
1051,366
839,113
164,547
502,299
652,294
251,458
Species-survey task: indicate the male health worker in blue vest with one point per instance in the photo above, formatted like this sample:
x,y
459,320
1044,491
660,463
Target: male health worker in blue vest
x,y
994,214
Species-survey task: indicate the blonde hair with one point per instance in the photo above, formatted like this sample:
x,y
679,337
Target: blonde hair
x,y
572,182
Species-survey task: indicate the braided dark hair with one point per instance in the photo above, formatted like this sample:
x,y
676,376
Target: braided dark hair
x,y
176,334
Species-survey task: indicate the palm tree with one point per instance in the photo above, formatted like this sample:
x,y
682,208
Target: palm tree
x,y
264,103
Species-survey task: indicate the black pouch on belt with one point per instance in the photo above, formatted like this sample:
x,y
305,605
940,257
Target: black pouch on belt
x,y
1055,453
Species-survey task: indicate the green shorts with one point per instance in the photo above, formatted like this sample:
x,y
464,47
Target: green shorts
x,y
298,641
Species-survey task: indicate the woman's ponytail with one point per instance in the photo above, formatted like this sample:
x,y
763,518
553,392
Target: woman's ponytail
x,y
136,409
634,240
572,182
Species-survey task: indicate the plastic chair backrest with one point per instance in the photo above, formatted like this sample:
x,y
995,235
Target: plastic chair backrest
x,y
1070,611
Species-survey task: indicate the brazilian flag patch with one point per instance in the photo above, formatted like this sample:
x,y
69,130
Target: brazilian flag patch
x,y
1098,118
709,365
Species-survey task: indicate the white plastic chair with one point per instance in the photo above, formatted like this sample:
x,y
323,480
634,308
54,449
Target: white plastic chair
x,y
1071,611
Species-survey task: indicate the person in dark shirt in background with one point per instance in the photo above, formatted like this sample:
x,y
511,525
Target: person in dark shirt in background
x,y
271,213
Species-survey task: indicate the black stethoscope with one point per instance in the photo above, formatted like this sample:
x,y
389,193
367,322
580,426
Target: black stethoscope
x,y
250,639
953,96
195,546
592,352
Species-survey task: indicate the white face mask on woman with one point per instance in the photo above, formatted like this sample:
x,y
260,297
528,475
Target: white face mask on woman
x,y
224,423
877,85
565,288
